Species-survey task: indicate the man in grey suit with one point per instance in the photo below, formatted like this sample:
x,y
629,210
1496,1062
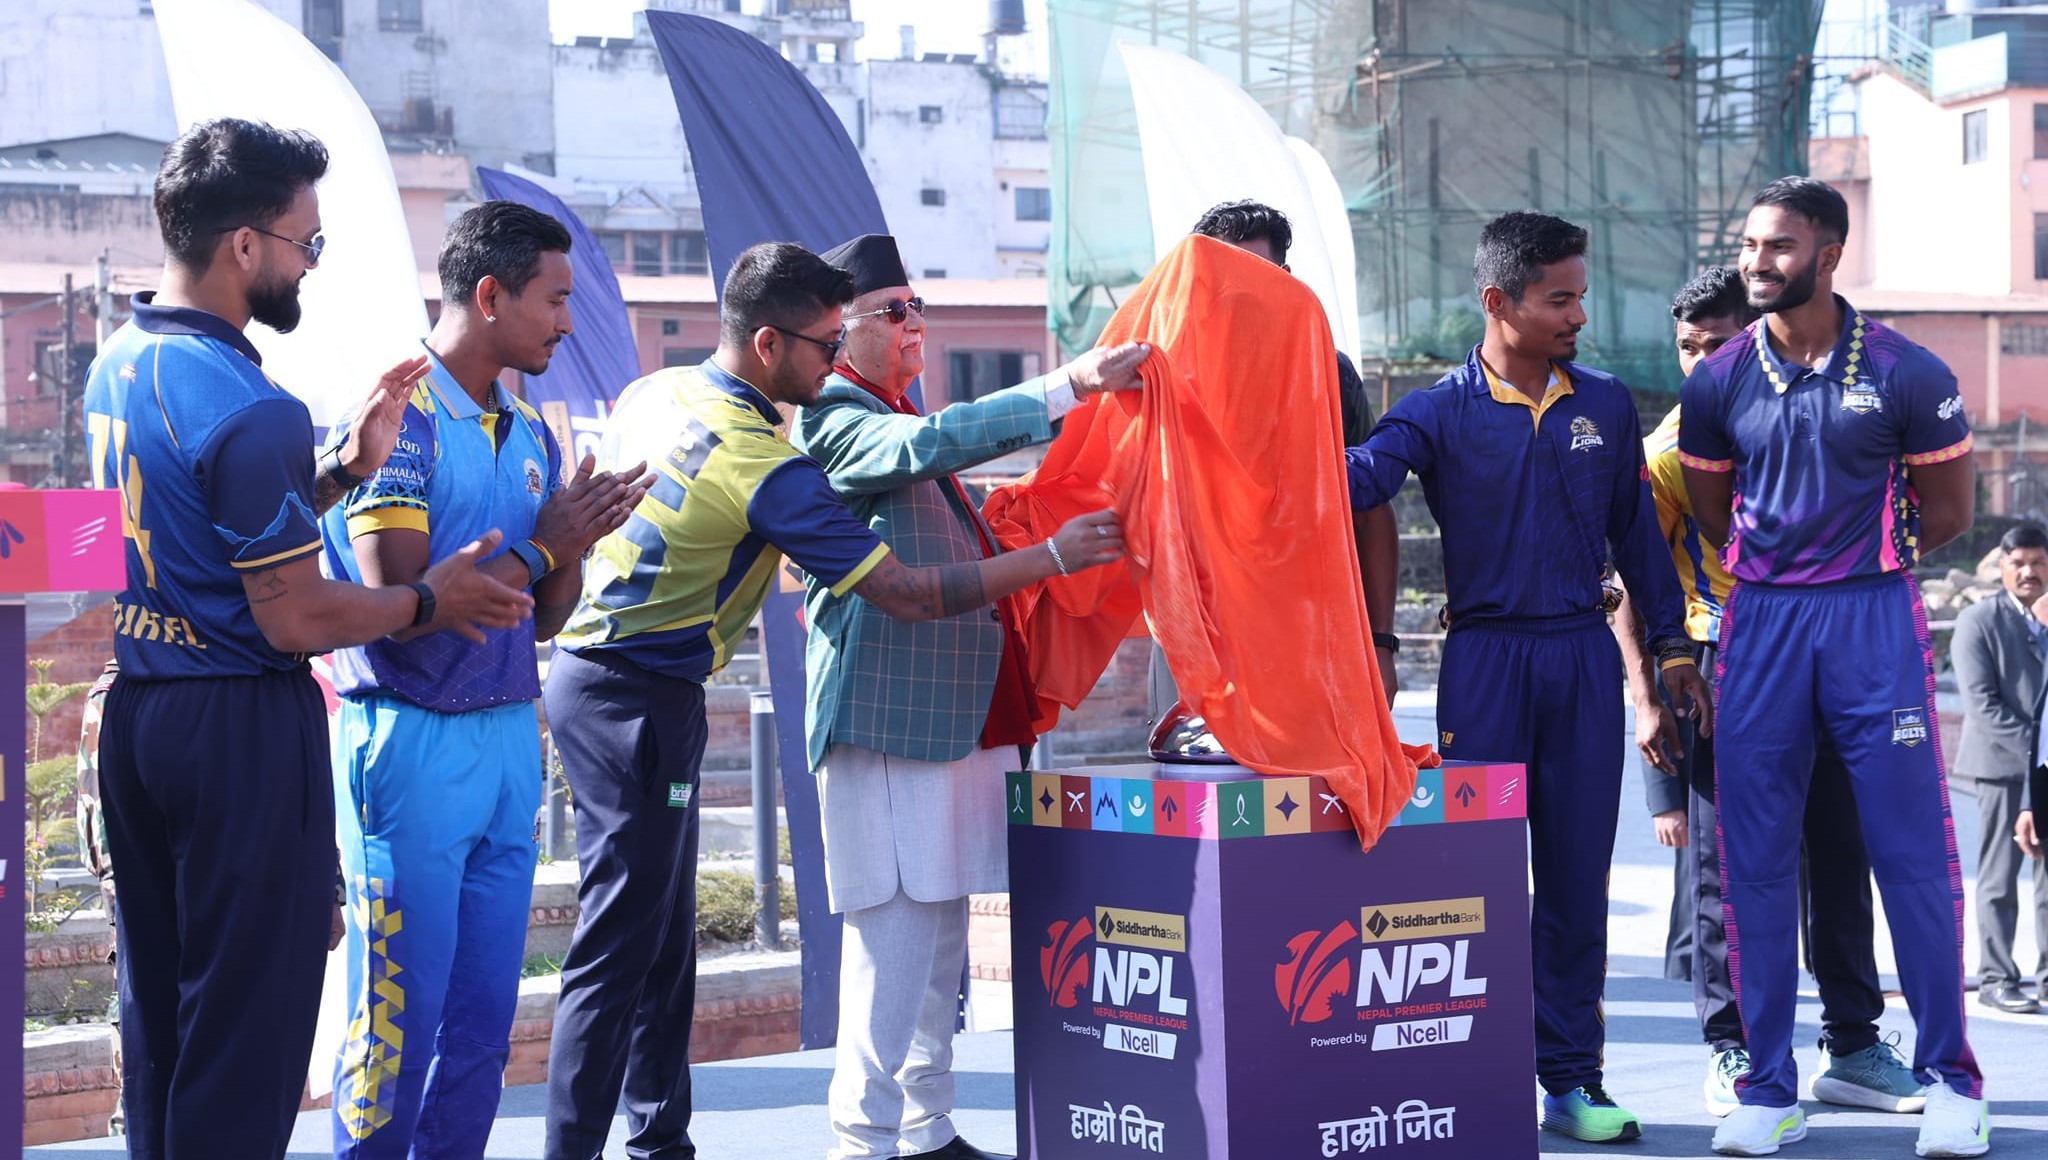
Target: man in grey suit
x,y
1998,648
911,726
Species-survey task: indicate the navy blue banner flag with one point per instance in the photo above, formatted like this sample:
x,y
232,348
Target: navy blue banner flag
x,y
596,362
774,164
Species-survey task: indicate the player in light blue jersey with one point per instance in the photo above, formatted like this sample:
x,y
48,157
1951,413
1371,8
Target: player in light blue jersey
x,y
438,774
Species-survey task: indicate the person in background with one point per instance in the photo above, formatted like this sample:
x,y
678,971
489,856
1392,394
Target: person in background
x,y
1997,649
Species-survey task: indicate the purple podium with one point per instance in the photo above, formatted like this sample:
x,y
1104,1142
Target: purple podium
x,y
50,541
1211,968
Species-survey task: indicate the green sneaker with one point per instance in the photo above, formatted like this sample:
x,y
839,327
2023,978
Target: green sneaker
x,y
1585,1113
1875,1077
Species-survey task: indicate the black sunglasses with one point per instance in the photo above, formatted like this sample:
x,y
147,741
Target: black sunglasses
x,y
313,249
831,348
896,311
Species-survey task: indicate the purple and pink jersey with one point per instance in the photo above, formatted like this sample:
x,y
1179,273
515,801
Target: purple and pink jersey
x,y
1820,455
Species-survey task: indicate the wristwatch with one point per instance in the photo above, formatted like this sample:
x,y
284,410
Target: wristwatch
x,y
330,464
424,614
1386,640
529,553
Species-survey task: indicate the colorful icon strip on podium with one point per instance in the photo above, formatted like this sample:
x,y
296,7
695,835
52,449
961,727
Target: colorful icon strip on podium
x,y
1255,808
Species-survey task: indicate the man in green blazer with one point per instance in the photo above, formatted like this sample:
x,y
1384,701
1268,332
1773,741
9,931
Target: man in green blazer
x,y
911,726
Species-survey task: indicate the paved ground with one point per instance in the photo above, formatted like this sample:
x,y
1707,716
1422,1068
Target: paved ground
x,y
772,1108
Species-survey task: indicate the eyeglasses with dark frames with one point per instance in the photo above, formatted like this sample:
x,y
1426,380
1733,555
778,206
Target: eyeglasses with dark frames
x,y
896,311
313,249
831,348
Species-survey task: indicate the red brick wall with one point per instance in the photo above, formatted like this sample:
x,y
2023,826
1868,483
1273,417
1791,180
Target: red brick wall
x,y
80,648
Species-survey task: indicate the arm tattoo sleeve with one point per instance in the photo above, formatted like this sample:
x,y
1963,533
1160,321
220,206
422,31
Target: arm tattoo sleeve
x,y
327,491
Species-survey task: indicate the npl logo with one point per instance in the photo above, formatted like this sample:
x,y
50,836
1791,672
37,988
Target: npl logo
x,y
1391,975
1123,975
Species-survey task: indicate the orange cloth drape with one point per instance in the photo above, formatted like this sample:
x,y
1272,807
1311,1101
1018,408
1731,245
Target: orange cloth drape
x,y
1225,472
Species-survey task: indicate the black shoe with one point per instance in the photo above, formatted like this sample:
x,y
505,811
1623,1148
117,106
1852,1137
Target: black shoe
x,y
2009,998
957,1149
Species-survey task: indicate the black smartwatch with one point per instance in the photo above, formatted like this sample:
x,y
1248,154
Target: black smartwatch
x,y
330,465
424,614
1386,640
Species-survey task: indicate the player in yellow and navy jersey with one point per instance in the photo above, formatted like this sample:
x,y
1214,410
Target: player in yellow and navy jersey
x,y
1862,1071
213,748
666,600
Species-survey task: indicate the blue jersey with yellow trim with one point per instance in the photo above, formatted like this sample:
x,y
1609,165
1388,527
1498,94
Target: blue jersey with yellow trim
x,y
457,471
1821,454
1534,498
214,463
674,590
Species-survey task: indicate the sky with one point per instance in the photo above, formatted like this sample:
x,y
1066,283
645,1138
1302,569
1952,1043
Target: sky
x,y
947,26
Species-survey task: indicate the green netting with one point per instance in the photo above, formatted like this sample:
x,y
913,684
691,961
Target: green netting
x,y
1651,122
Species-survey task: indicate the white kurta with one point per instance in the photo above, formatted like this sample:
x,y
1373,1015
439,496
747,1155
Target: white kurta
x,y
934,828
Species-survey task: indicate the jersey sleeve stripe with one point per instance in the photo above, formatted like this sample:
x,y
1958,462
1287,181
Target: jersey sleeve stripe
x,y
861,570
386,518
1719,466
1954,450
274,558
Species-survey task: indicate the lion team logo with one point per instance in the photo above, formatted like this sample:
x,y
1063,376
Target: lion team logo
x,y
1063,960
1586,434
1316,973
533,479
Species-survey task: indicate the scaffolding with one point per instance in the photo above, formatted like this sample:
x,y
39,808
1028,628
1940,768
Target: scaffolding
x,y
1650,122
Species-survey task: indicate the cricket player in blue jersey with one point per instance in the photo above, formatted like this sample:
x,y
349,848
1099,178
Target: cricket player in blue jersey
x,y
1825,452
437,776
213,748
1533,467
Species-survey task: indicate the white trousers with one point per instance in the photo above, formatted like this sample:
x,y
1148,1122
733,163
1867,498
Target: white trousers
x,y
899,986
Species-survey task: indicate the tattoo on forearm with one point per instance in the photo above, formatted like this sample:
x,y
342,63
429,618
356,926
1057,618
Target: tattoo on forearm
x,y
327,492
270,586
960,588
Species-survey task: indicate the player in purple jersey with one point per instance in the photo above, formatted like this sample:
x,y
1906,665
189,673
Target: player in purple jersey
x,y
1825,452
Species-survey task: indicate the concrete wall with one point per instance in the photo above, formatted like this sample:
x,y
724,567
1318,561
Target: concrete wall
x,y
46,224
908,155
1920,241
488,64
614,118
74,68
2029,184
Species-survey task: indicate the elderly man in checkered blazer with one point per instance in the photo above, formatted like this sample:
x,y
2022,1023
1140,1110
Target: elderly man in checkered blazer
x,y
911,726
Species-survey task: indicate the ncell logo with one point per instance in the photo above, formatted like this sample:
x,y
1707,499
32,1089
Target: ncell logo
x,y
1317,971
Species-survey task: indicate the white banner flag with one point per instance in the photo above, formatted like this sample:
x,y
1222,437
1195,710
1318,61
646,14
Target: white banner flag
x,y
1206,141
363,312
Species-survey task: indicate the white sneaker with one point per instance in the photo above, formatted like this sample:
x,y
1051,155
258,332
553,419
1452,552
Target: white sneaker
x,y
1953,1124
1723,1069
1755,1130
